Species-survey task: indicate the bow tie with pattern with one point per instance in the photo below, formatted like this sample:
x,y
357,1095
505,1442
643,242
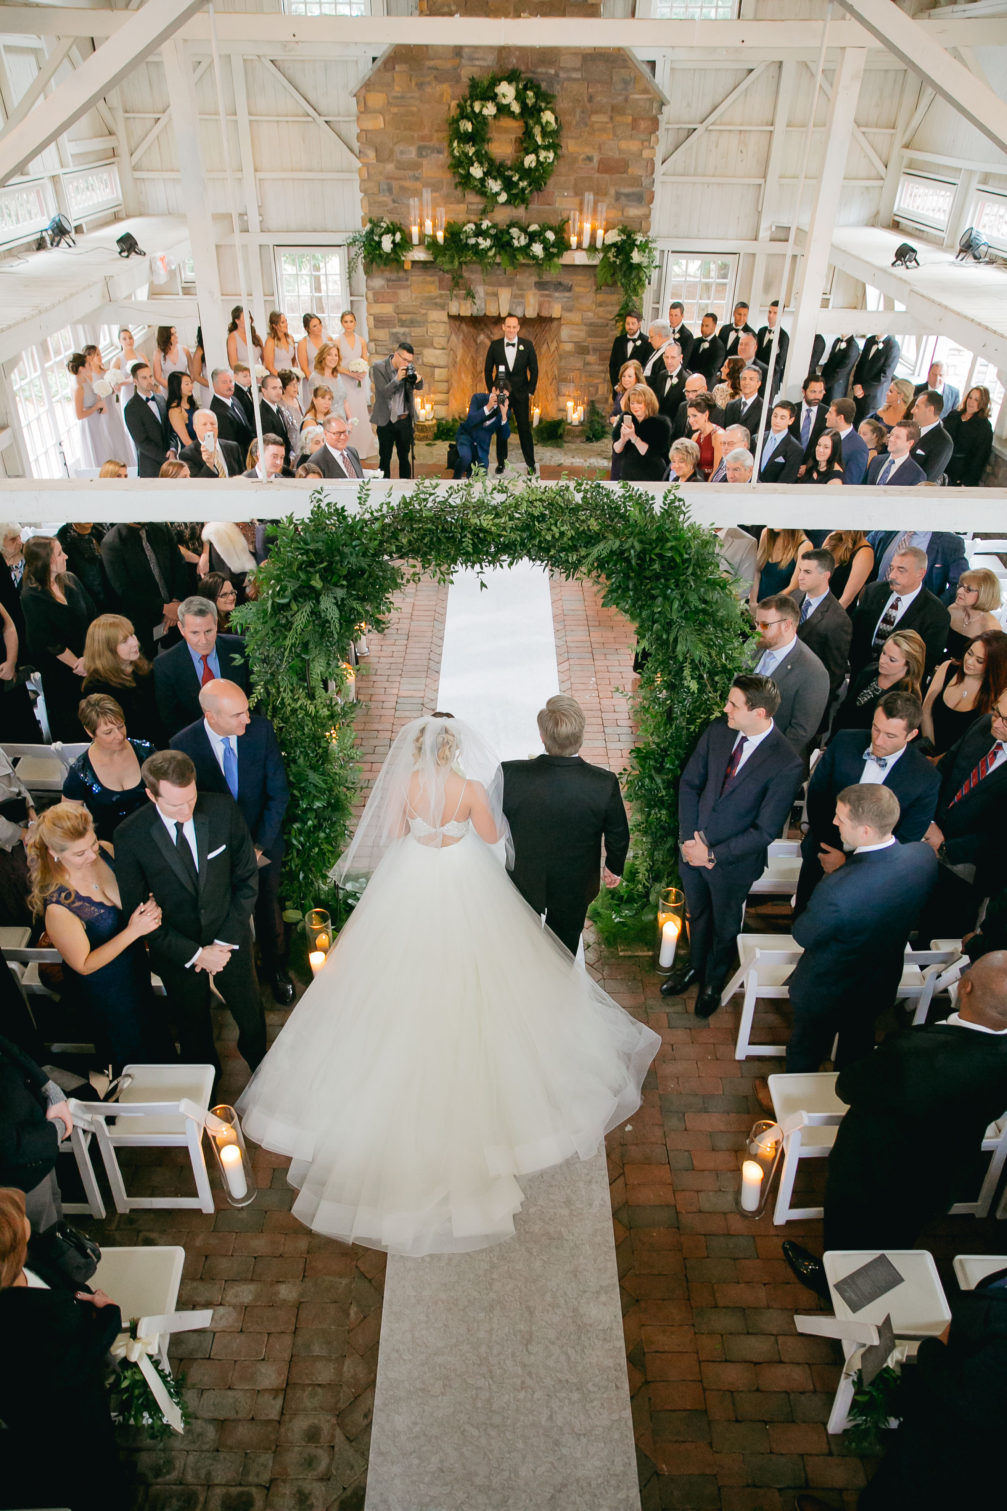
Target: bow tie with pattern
x,y
882,761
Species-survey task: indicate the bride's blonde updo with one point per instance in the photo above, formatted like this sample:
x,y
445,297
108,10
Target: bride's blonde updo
x,y
52,831
445,743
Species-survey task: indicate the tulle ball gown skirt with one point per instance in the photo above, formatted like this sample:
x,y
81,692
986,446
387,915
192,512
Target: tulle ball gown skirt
x,y
449,1046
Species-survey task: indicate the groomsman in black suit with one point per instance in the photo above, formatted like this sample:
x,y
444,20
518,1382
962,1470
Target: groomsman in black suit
x,y
708,351
269,412
147,573
668,381
511,358
146,417
193,851
633,346
883,755
236,753
844,354
933,450
900,603
233,423
731,333
874,373
736,790
764,345
809,421
204,656
560,809
854,931
680,332
824,625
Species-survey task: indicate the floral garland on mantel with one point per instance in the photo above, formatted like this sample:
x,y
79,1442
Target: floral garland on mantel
x,y
512,96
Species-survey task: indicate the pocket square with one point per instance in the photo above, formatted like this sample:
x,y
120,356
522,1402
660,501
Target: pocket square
x,y
214,853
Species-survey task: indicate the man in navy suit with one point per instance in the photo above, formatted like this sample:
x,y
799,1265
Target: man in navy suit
x,y
236,752
782,456
203,656
946,559
882,755
897,469
854,931
487,417
935,382
233,421
809,418
735,793
854,447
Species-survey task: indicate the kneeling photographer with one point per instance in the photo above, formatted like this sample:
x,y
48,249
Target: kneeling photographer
x,y
488,416
395,382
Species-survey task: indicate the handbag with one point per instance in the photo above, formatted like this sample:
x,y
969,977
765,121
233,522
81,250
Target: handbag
x,y
64,1256
452,458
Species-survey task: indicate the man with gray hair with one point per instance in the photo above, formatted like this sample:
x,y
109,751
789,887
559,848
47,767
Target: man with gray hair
x,y
658,334
904,603
739,465
233,423
208,456
736,438
204,656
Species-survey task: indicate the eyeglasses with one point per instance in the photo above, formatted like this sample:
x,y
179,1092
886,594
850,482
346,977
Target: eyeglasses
x,y
767,624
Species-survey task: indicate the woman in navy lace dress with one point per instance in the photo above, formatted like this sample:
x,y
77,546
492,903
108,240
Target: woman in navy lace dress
x,y
106,776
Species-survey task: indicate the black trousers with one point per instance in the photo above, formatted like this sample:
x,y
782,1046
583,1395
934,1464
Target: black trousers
x,y
715,901
269,931
519,416
397,437
816,1024
189,1000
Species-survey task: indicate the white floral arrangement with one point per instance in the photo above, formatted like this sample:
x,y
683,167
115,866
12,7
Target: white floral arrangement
x,y
496,244
514,96
101,388
381,244
629,259
261,372
358,365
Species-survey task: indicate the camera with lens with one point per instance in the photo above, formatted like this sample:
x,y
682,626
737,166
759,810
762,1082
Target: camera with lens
x,y
410,375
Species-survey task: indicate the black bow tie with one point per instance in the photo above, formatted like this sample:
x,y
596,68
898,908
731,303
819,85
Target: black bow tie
x,y
511,346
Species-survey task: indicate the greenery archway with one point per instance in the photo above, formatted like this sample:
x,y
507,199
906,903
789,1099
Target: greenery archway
x,y
335,569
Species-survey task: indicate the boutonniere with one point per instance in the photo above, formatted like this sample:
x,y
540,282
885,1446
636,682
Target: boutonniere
x,y
520,347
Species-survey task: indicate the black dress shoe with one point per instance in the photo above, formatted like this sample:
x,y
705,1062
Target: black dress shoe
x,y
678,982
809,1270
707,1002
499,468
283,989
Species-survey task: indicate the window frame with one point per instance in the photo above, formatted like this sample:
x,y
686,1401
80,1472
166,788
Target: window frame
x,y
329,316
672,285
920,220
985,193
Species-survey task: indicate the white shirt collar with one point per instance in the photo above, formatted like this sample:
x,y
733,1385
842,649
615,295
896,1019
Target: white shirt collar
x,y
753,740
188,829
907,598
881,845
925,429
957,1021
217,743
814,602
844,433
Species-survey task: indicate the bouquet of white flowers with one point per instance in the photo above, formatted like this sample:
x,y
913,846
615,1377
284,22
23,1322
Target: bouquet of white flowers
x,y
102,388
358,365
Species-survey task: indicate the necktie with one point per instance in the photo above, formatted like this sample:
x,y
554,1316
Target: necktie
x,y
806,425
206,675
734,762
805,609
767,664
148,551
882,761
978,772
769,446
887,623
231,767
886,472
184,852
904,540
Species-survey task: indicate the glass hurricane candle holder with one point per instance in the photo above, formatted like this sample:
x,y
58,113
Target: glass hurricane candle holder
x,y
670,923
318,927
762,1155
228,1142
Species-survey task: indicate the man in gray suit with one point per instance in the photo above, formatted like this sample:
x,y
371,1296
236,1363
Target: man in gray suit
x,y
395,382
800,676
336,458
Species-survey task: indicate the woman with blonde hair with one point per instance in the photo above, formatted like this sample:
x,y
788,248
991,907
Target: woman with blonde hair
x,y
776,562
106,974
326,372
114,667
897,405
977,596
642,437
630,374
854,559
899,668
113,469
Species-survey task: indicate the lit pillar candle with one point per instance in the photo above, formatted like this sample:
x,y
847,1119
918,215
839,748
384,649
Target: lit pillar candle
x,y
416,236
536,415
234,1172
316,960
751,1185
669,943
569,411
322,942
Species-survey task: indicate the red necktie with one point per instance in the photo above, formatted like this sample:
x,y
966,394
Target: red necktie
x,y
978,772
207,675
734,762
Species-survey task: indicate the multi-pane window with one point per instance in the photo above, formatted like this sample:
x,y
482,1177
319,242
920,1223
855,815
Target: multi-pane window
x,y
701,283
25,209
92,190
925,201
990,217
312,281
43,394
327,7
688,10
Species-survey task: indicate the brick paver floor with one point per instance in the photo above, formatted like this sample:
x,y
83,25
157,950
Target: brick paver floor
x,y
729,1402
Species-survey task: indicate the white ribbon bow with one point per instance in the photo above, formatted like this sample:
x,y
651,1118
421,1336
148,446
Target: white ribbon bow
x,y
140,1349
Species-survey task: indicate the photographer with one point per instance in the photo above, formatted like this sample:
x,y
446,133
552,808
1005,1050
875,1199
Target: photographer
x,y
487,416
395,382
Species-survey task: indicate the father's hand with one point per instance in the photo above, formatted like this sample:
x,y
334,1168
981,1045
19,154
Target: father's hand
x,y
610,878
212,958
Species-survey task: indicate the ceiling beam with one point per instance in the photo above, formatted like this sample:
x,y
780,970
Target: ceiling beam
x,y
858,135
39,84
924,54
715,114
142,33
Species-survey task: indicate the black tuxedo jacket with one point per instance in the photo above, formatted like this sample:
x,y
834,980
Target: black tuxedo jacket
x,y
913,780
192,456
263,793
195,912
785,462
233,422
839,364
707,357
560,809
877,363
926,615
932,452
176,685
29,1143
729,335
740,822
828,632
149,429
642,351
765,346
329,467
751,418
670,390
686,340
974,828
244,398
132,580
272,424
680,426
523,376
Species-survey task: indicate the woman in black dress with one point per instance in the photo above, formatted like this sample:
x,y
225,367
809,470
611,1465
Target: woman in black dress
x,y
972,436
828,463
976,599
114,666
57,612
962,691
854,559
642,437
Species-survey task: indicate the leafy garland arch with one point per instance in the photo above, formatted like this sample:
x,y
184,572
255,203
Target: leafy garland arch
x,y
335,569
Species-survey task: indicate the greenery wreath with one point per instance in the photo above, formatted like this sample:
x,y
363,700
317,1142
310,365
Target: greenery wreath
x,y
513,96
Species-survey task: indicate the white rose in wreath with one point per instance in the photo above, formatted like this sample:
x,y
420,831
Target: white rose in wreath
x,y
550,235
530,160
469,229
477,107
475,170
386,243
515,108
537,249
548,119
546,157
505,92
610,237
494,185
464,124
502,197
489,108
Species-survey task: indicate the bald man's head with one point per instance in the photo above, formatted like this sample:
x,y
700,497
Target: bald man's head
x,y
225,707
982,991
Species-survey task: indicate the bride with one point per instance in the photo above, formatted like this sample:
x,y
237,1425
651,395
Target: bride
x,y
449,1044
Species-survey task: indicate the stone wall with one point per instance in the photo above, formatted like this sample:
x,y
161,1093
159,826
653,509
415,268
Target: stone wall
x,y
609,112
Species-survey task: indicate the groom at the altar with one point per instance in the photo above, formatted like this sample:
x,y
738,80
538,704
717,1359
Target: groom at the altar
x,y
560,809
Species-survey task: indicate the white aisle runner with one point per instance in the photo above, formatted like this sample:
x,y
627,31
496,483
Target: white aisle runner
x,y
502,1374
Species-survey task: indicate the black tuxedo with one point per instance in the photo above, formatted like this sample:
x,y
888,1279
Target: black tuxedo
x,y
879,1192
926,615
764,351
29,1143
707,357
729,336
738,824
854,932
641,352
817,426
263,796
147,423
670,390
329,467
874,372
192,456
912,779
196,912
827,631
244,398
523,379
177,686
272,424
560,809
686,340
817,353
784,464
129,571
751,418
233,422
932,452
844,354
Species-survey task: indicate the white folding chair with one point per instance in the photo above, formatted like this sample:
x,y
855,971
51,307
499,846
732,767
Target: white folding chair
x,y
783,867
995,1144
926,973
69,750
971,1268
159,1107
802,801
37,766
765,962
78,1147
809,1112
14,936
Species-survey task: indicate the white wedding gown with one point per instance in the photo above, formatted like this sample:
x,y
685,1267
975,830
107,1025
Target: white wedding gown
x,y
448,1046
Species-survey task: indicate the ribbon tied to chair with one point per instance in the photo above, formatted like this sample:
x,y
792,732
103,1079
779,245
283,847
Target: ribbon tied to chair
x,y
139,1351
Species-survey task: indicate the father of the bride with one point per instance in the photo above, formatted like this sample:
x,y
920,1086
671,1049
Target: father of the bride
x,y
560,809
